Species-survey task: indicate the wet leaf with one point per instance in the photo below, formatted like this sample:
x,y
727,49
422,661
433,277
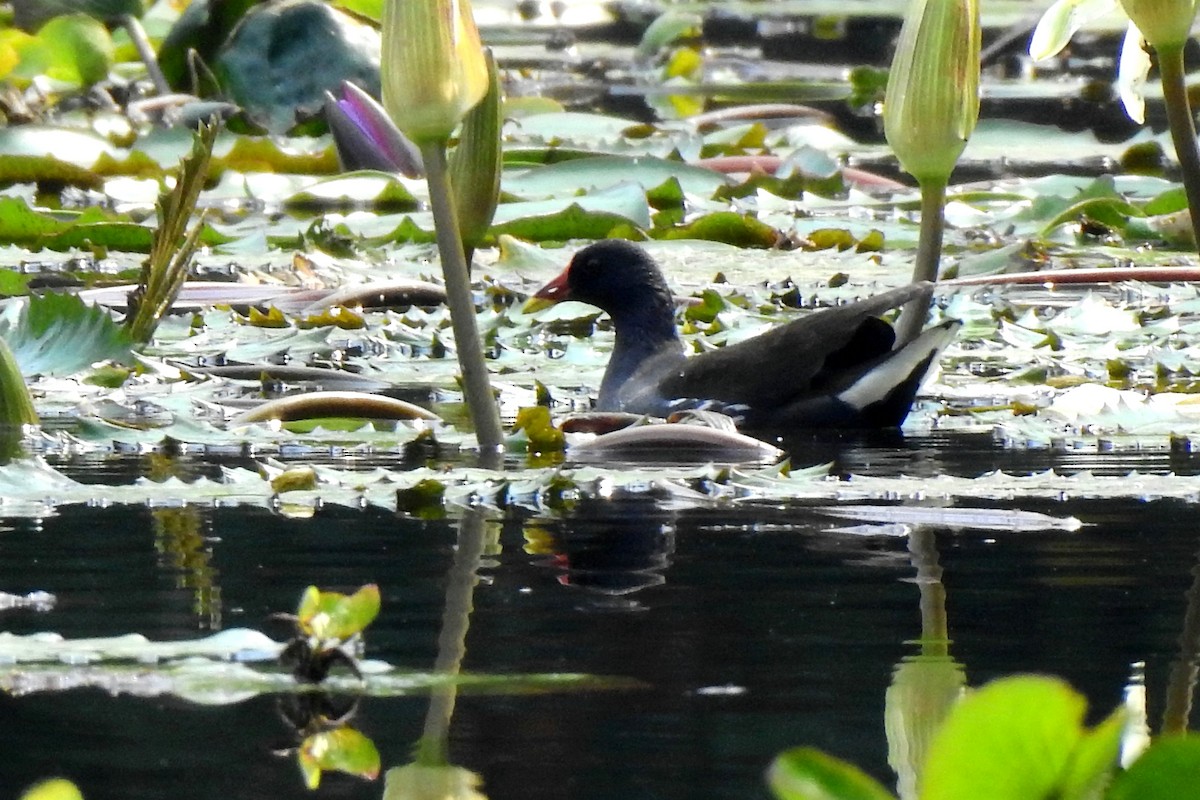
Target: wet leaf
x,y
59,334
335,617
542,436
342,750
424,499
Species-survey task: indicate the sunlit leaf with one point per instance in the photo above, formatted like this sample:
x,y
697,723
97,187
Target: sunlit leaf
x,y
343,750
542,435
362,189
742,230
59,334
75,49
1168,770
1060,22
332,616
668,28
1132,71
53,789
1014,738
804,773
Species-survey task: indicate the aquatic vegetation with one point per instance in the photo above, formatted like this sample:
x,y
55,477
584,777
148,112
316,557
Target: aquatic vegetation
x,y
930,109
1017,737
434,72
758,214
1165,27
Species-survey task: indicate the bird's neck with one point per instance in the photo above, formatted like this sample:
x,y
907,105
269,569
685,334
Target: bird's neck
x,y
640,333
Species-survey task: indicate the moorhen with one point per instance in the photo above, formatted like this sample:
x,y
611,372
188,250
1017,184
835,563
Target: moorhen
x,y
837,367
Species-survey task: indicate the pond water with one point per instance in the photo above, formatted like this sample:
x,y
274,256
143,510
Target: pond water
x,y
712,632
740,631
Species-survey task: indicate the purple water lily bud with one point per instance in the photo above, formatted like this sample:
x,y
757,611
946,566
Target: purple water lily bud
x,y
366,137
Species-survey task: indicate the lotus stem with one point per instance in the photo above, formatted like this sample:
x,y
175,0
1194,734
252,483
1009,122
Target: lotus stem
x,y
137,35
1181,684
477,388
1183,128
929,255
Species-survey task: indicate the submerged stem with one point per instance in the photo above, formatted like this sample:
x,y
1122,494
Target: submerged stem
x,y
1183,127
929,255
477,388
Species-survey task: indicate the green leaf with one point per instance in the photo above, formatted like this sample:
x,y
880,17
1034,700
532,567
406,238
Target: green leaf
x,y
804,773
59,334
424,499
341,750
1169,770
53,789
1094,758
75,49
1014,739
590,217
539,428
332,616
1059,24
668,28
707,309
363,188
730,227
32,14
371,9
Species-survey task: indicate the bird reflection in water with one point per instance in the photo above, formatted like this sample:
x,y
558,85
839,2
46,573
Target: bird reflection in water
x,y
610,549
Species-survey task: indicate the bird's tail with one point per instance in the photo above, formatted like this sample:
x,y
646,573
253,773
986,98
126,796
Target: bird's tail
x,y
884,394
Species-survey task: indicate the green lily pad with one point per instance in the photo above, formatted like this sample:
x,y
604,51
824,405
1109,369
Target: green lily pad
x,y
569,177
58,334
75,49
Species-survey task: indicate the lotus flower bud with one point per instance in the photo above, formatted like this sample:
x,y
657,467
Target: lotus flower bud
x,y
366,137
932,100
433,66
1163,23
475,165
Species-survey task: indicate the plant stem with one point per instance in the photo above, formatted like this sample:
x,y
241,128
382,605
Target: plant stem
x,y
137,34
1183,127
477,389
929,254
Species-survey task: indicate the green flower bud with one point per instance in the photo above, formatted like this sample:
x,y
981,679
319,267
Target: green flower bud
x,y
1163,23
433,67
475,165
932,100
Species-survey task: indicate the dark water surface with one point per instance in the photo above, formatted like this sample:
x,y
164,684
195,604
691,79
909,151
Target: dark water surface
x,y
748,631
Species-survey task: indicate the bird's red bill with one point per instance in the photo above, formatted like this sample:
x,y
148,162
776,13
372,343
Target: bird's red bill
x,y
555,290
